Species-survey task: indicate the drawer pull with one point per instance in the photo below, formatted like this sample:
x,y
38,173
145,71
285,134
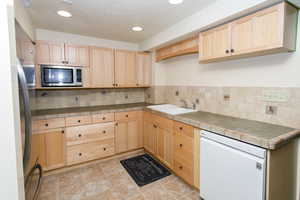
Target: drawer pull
x,y
47,125
154,126
180,128
103,118
180,167
62,132
80,154
103,132
181,145
127,116
104,149
79,135
79,121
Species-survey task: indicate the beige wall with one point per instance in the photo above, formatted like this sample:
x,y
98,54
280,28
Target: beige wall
x,y
23,17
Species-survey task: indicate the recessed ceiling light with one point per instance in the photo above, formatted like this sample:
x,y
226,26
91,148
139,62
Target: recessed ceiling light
x,y
137,28
175,1
64,13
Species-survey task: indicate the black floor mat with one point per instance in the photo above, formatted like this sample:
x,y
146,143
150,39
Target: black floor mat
x,y
144,169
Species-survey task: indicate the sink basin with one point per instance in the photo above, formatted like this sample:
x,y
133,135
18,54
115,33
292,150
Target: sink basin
x,y
171,109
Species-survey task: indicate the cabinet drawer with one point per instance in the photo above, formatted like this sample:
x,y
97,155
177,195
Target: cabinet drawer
x,y
38,125
184,129
185,171
78,120
100,118
183,148
90,133
164,123
90,151
124,116
148,116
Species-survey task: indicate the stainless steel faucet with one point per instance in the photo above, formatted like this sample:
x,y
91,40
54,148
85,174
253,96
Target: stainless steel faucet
x,y
186,104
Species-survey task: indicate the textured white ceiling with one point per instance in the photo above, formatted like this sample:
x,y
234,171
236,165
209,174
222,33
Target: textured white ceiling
x,y
113,19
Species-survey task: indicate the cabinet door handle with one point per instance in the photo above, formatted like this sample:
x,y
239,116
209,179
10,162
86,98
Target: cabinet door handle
x,y
181,128
103,118
180,167
104,149
46,125
62,132
181,145
103,132
79,135
80,154
127,116
79,121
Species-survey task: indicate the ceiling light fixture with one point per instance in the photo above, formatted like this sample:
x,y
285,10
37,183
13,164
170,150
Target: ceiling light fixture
x,y
64,13
175,2
137,28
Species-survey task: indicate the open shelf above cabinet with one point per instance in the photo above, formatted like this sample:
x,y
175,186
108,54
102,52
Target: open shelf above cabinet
x,y
188,46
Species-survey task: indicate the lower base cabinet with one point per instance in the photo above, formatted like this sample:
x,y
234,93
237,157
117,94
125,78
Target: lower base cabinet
x,y
49,148
150,137
129,131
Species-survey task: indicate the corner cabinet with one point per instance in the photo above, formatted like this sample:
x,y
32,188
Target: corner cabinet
x,y
143,69
268,31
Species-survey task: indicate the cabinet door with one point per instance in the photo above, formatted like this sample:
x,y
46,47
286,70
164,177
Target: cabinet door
x,y
150,141
101,67
242,35
42,52
37,150
144,69
121,137
125,68
55,149
57,53
77,55
134,134
165,147
215,43
28,52
268,26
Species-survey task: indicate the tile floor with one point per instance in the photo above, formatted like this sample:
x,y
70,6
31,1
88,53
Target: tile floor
x,y
108,180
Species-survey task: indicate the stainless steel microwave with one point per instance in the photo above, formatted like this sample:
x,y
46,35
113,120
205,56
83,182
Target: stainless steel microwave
x,y
61,76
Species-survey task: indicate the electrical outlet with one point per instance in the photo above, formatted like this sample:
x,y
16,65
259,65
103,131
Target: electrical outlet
x,y
271,110
276,96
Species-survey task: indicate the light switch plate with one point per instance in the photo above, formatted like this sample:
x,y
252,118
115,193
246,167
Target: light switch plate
x,y
275,96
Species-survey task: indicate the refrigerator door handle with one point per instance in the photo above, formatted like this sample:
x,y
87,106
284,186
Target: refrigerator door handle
x,y
27,113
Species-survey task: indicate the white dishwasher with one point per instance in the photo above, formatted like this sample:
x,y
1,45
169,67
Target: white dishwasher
x,y
231,170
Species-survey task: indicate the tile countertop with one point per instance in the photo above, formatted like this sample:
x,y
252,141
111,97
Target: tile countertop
x,y
261,134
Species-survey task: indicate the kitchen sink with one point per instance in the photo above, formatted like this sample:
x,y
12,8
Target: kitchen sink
x,y
171,109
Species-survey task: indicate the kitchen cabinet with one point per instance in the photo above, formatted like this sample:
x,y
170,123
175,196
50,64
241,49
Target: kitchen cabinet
x,y
129,131
25,51
49,148
150,137
55,149
125,69
77,55
165,147
51,53
102,72
187,46
271,30
143,69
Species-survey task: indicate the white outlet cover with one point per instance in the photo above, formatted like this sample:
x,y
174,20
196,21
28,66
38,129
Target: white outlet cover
x,y
26,3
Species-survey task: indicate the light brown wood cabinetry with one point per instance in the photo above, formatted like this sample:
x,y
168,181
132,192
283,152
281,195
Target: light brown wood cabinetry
x,y
143,69
51,53
55,149
77,55
125,68
78,120
39,125
102,71
49,147
129,131
271,30
188,46
165,147
150,137
25,51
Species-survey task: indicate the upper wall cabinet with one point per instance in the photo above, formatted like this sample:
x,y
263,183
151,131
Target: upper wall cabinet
x,y
125,68
102,67
62,54
144,69
25,51
188,46
271,30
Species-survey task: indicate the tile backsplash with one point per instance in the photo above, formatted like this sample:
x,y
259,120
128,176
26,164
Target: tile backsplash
x,y
243,102
50,99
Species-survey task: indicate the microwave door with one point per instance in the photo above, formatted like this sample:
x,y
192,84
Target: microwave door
x,y
57,76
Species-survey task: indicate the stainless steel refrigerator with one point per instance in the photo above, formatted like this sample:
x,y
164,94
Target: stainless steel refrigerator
x,y
33,171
